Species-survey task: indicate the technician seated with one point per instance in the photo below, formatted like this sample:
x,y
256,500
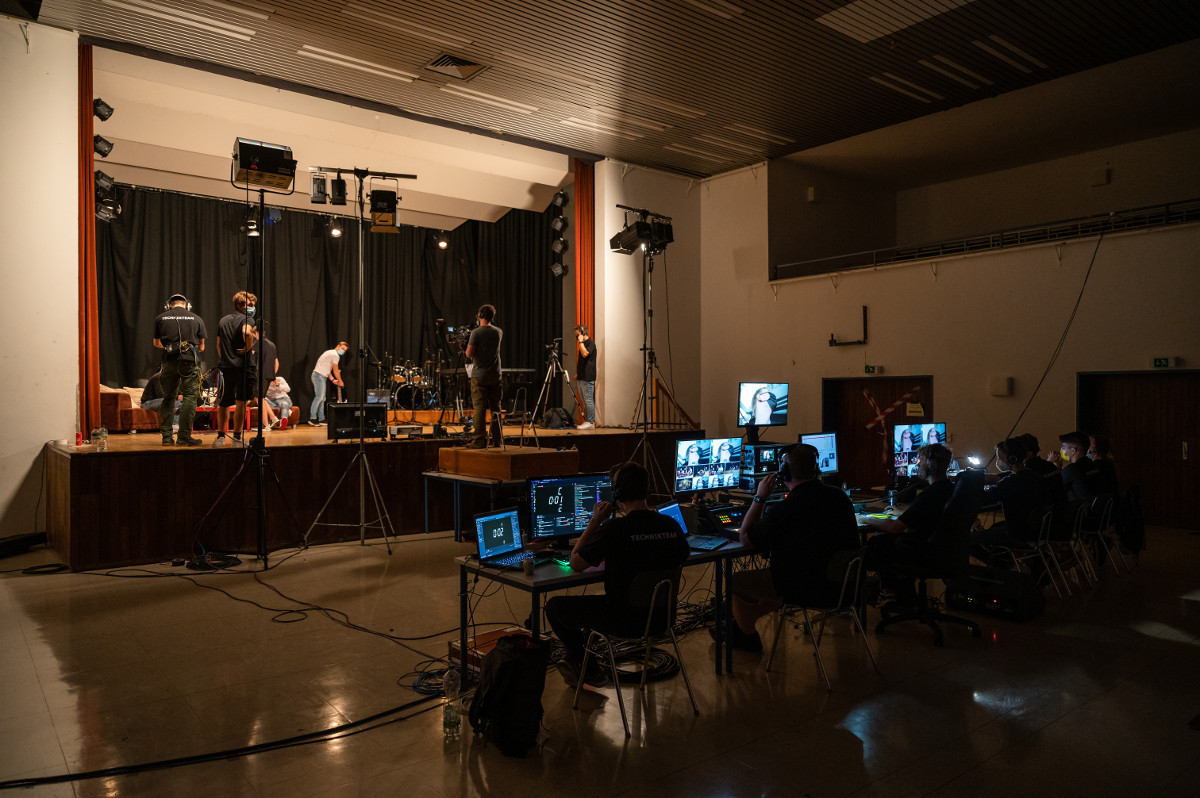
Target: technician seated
x,y
903,540
800,534
1021,493
639,540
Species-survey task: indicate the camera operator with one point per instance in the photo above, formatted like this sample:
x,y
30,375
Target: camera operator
x,y
180,334
483,348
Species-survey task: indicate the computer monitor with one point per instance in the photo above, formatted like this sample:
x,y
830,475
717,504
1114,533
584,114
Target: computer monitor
x,y
761,458
562,506
762,404
908,438
709,464
827,453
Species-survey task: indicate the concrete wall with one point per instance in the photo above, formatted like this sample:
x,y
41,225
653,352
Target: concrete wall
x,y
676,287
961,320
39,303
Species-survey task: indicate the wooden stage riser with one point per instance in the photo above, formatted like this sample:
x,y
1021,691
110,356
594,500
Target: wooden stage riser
x,y
122,508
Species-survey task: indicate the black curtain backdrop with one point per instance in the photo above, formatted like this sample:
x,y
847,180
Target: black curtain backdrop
x,y
165,242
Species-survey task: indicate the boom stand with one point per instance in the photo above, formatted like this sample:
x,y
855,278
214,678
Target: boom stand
x,y
366,477
658,481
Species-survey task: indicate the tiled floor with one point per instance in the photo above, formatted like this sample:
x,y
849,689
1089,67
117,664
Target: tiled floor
x,y
126,668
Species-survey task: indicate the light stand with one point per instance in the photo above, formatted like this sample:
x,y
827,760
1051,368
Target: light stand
x,y
649,366
366,477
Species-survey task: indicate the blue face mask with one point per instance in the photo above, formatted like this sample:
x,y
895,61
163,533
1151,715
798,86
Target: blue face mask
x,y
340,352
250,311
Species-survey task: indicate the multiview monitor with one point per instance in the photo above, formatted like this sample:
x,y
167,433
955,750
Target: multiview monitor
x,y
908,438
707,464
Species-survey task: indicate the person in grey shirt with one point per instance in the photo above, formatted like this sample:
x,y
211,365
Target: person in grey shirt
x,y
483,348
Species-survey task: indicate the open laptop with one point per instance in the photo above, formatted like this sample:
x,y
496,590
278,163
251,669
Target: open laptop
x,y
498,534
695,542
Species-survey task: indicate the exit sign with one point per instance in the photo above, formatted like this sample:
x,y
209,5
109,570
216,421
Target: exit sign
x,y
871,369
1165,362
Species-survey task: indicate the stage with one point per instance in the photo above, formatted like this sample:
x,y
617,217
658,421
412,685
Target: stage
x,y
142,502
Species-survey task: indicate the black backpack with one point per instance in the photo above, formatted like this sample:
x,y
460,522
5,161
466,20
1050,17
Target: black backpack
x,y
507,707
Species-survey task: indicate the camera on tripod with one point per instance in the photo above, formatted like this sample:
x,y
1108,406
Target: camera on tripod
x,y
458,335
553,344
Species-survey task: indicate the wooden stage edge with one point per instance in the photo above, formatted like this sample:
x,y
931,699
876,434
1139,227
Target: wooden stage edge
x,y
142,502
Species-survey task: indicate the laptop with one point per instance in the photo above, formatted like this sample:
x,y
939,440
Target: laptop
x,y
498,534
695,542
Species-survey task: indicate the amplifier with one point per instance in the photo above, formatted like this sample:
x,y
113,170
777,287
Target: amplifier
x,y
344,420
397,431
992,591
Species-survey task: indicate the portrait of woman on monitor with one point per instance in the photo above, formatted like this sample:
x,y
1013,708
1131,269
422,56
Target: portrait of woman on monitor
x,y
906,441
932,436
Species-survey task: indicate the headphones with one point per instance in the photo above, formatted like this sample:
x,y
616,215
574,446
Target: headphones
x,y
615,477
784,473
785,460
622,477
1008,456
582,328
167,305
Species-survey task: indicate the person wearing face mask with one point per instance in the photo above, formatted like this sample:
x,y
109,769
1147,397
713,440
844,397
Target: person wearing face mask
x,y
904,539
1078,471
238,374
1022,493
326,369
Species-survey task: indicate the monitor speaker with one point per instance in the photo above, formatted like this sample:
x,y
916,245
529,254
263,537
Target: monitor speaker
x,y
344,420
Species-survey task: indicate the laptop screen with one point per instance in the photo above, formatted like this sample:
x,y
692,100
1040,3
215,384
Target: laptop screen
x,y
672,509
498,533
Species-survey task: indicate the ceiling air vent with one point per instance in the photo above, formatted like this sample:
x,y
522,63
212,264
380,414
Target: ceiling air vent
x,y
455,67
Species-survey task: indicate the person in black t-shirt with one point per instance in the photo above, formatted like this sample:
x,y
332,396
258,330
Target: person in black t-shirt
x,y
483,348
638,541
1046,470
585,374
1021,493
800,534
239,375
1078,472
180,333
904,539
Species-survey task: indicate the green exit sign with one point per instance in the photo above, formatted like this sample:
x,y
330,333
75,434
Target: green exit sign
x,y
871,369
1161,362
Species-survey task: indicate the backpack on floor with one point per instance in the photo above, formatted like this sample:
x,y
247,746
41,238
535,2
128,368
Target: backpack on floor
x,y
507,707
556,418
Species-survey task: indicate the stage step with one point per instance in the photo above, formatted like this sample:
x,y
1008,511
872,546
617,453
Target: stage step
x,y
514,462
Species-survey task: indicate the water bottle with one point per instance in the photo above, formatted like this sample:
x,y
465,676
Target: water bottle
x,y
451,713
103,438
846,490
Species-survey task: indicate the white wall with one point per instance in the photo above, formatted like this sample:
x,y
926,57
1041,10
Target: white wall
x,y
39,303
962,321
676,287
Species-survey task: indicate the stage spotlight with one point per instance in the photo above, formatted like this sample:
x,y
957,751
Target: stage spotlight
x,y
256,163
335,228
107,209
560,200
104,183
661,234
442,240
558,224
383,211
337,191
318,193
250,227
630,238
559,246
102,145
558,269
101,109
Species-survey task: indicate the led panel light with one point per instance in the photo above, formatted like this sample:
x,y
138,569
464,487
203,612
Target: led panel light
x,y
868,20
350,62
489,99
186,18
257,163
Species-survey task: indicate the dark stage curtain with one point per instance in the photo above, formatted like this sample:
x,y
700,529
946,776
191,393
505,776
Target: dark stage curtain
x,y
165,242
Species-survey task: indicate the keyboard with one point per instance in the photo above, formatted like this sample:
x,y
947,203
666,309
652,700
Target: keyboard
x,y
513,560
706,542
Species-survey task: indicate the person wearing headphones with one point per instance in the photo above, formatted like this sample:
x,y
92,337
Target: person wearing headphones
x,y
1022,493
239,375
801,534
180,333
483,348
637,540
585,374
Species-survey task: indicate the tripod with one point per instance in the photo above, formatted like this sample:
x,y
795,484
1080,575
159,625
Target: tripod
x,y
366,477
553,367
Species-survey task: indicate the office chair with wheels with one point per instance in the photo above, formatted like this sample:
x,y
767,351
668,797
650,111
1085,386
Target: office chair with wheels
x,y
945,557
656,591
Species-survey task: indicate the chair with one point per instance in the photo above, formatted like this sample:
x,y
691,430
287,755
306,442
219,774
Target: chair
x,y
1040,549
1071,551
847,604
652,590
945,556
1105,532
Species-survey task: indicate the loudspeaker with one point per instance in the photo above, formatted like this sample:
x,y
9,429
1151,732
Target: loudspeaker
x,y
343,421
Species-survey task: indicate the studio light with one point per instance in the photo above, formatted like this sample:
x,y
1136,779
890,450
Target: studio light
x,y
558,224
250,226
257,163
102,145
101,109
560,200
335,229
107,209
442,240
630,238
104,183
650,233
559,246
558,269
383,211
318,193
337,191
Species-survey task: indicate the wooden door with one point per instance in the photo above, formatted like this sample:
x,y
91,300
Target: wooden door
x,y
865,454
1151,418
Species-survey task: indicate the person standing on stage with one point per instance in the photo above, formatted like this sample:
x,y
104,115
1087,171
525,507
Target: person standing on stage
x,y
483,348
239,375
326,369
585,374
180,334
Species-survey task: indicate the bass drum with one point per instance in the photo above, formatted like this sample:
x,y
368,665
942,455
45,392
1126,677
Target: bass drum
x,y
408,397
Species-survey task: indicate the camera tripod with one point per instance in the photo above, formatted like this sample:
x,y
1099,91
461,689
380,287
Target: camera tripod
x,y
553,368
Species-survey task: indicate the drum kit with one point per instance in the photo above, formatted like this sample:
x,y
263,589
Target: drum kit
x,y
414,385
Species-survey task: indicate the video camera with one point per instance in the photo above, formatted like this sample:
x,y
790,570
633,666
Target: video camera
x,y
458,335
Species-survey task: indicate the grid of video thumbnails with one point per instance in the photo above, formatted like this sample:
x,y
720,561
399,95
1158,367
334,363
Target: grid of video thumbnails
x,y
707,464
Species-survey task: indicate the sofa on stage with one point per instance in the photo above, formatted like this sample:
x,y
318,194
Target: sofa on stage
x,y
121,411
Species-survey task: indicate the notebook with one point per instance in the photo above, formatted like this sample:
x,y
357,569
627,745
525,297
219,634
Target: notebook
x,y
695,542
498,534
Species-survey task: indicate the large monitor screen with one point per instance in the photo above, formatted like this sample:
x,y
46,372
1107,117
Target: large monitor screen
x,y
908,438
762,404
827,453
707,464
562,506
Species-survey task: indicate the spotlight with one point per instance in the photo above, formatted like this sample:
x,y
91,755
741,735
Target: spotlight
x,y
250,227
101,109
102,145
335,229
383,211
630,238
558,269
257,163
107,209
104,183
560,200
559,246
337,191
318,194
559,224
442,240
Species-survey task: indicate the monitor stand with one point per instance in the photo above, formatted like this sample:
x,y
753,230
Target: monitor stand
x,y
752,434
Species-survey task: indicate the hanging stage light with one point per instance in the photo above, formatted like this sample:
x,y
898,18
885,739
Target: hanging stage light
x,y
318,194
250,226
101,109
102,145
337,190
383,211
560,200
558,269
104,183
257,163
559,246
558,224
442,240
335,229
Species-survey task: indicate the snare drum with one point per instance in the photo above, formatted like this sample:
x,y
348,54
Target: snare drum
x,y
399,375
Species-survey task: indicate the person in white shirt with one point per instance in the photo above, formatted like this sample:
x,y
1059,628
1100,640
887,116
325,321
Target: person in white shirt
x,y
326,369
277,399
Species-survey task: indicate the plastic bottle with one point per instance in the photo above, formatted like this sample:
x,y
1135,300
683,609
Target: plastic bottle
x,y
103,438
451,712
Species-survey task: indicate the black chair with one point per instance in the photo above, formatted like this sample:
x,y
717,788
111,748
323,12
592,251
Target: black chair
x,y
945,556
